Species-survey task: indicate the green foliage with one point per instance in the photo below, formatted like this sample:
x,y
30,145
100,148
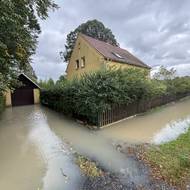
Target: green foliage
x,y
50,84
2,103
61,81
29,71
19,29
173,84
178,85
98,91
184,160
165,74
47,84
93,28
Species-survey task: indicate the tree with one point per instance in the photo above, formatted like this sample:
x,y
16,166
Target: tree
x,y
92,28
47,84
165,74
61,81
29,71
168,78
19,30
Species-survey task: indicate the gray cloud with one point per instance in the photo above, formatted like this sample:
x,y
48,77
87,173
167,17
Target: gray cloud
x,y
158,32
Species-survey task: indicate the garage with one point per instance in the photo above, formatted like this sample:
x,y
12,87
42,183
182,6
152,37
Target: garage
x,y
22,97
27,93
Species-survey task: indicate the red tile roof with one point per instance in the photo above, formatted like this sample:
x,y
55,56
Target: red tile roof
x,y
114,53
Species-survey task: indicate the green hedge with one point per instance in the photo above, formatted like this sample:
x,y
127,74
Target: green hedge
x,y
96,92
2,103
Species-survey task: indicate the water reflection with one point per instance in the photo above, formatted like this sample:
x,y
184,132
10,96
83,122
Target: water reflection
x,y
171,131
61,172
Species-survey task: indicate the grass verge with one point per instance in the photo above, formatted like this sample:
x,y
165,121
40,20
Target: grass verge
x,y
88,167
171,161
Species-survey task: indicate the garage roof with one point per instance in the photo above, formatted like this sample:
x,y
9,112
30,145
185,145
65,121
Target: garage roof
x,y
34,83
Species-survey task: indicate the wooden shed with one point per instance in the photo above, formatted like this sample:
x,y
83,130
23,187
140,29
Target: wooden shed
x,y
27,94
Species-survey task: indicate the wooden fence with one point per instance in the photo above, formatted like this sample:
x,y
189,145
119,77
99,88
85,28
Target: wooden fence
x,y
118,112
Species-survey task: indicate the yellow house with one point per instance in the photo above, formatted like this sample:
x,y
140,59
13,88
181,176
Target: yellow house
x,y
90,54
26,94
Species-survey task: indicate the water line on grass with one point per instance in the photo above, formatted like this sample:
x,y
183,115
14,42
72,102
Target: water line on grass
x,y
171,131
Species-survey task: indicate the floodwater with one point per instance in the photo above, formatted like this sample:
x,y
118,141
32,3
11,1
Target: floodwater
x,y
32,156
148,126
36,145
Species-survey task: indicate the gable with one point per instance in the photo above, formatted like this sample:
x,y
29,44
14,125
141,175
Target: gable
x,y
82,49
27,83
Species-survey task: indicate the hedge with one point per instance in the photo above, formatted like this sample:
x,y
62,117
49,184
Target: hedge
x,y
2,103
96,92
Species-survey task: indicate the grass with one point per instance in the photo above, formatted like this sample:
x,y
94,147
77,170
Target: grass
x,y
171,161
88,167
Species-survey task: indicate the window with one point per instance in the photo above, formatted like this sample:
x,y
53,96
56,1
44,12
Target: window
x,y
82,62
77,64
117,55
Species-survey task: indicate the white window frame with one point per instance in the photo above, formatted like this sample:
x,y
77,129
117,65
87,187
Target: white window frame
x,y
83,62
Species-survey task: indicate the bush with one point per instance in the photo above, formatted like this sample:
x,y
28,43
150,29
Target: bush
x,y
2,103
174,85
97,91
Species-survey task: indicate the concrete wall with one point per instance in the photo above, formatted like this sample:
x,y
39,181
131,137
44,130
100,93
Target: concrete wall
x,y
93,60
8,101
36,92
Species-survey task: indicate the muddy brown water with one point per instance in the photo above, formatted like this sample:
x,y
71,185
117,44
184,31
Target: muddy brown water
x,y
36,145
145,126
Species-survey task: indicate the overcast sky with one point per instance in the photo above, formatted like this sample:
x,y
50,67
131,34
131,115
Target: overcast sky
x,y
157,32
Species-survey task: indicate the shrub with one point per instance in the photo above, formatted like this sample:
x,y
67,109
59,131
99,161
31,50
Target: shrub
x,y
98,91
46,84
2,102
174,85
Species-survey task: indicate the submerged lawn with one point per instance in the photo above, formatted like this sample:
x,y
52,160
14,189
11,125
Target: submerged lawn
x,y
171,161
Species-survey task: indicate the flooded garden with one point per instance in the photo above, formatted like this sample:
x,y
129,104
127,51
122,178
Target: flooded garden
x,y
39,147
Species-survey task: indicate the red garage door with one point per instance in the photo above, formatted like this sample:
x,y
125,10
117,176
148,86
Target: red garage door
x,y
22,97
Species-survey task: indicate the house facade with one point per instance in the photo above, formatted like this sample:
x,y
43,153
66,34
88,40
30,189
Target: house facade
x,y
90,55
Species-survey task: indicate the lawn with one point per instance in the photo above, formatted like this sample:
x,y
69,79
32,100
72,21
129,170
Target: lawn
x,y
171,161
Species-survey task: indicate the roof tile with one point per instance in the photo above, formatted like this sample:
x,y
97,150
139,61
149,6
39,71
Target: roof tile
x,y
110,52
